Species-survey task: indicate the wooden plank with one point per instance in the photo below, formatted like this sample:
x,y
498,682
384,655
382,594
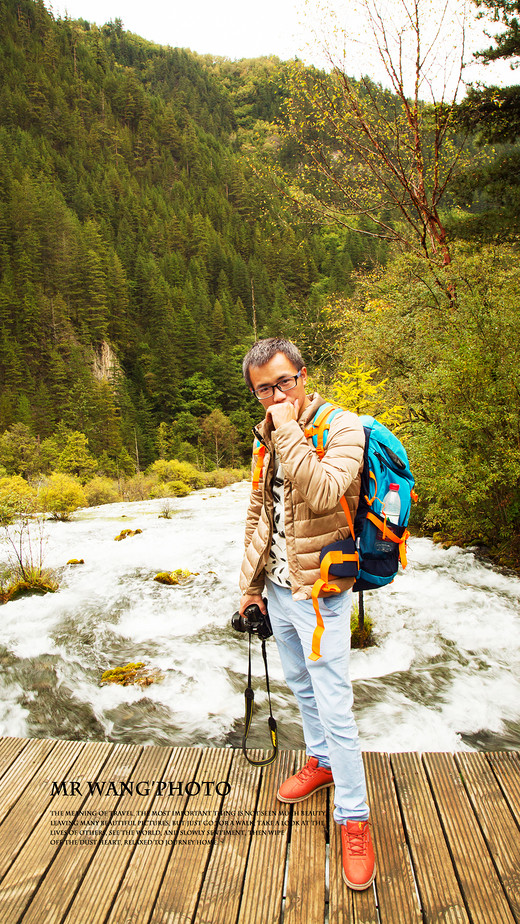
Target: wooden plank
x,y
100,884
35,798
263,885
64,876
496,822
179,893
26,873
21,771
222,887
149,862
506,767
10,748
458,814
396,894
441,898
306,874
479,882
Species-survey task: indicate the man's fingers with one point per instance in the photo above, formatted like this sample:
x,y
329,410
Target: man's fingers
x,y
249,600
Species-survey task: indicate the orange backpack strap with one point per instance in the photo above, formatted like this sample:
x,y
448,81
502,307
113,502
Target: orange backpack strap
x,y
346,510
318,429
322,585
382,524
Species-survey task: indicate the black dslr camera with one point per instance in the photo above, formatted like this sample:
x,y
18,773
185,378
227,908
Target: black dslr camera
x,y
253,621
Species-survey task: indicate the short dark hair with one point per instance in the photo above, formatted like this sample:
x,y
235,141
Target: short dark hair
x,y
263,350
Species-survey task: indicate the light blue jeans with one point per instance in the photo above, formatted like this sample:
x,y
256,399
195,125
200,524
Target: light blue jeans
x,y
323,690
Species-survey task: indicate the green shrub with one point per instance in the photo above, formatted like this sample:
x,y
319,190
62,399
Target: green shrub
x,y
178,489
101,491
61,495
16,498
173,470
140,487
222,477
170,489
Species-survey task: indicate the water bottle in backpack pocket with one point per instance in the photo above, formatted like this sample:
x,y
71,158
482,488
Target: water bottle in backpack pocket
x,y
391,511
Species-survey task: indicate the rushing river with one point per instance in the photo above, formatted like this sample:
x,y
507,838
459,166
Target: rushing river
x,y
444,674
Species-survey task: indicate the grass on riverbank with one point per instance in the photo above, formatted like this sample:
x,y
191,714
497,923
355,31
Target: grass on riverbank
x,y
36,582
360,636
24,572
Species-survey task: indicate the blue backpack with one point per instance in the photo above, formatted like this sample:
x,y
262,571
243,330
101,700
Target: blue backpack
x,y
373,553
380,547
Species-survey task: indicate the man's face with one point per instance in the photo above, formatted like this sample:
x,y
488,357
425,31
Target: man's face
x,y
277,369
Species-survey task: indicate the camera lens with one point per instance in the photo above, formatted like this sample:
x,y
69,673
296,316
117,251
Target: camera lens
x,y
237,623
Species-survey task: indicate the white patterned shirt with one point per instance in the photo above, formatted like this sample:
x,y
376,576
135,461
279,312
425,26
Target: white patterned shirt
x,y
277,568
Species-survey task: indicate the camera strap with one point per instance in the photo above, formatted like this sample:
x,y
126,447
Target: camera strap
x,y
250,698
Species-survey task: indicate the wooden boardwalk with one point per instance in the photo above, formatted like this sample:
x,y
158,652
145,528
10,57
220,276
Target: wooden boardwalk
x,y
196,835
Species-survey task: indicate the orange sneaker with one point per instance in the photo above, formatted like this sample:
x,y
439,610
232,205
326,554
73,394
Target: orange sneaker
x,y
309,779
359,868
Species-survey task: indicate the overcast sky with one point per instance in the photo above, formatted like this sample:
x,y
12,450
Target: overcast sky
x,y
229,28
242,29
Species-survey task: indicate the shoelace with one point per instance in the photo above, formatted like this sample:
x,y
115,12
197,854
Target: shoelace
x,y
306,772
357,841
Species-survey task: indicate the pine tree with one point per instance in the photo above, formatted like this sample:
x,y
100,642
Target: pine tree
x,y
218,329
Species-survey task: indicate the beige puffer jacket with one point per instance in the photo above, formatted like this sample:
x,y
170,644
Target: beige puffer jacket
x,y
313,515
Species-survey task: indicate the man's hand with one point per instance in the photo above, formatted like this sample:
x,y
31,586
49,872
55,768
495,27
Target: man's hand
x,y
283,413
249,599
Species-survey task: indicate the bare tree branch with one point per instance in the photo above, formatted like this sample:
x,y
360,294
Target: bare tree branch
x,y
384,155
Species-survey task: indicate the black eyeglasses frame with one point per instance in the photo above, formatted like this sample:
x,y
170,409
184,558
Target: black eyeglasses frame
x,y
276,385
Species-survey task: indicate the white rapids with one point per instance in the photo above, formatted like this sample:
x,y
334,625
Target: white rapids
x,y
444,674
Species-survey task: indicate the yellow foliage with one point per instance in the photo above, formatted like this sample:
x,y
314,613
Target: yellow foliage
x,y
378,305
35,582
131,673
171,470
170,489
355,390
61,495
101,490
16,498
173,577
127,532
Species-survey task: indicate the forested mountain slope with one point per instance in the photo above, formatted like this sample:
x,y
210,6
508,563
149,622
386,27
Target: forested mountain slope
x,y
138,253
148,233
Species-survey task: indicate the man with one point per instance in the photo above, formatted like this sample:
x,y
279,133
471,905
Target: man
x,y
293,513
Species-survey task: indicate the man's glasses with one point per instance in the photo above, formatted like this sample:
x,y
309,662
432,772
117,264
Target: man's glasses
x,y
285,384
